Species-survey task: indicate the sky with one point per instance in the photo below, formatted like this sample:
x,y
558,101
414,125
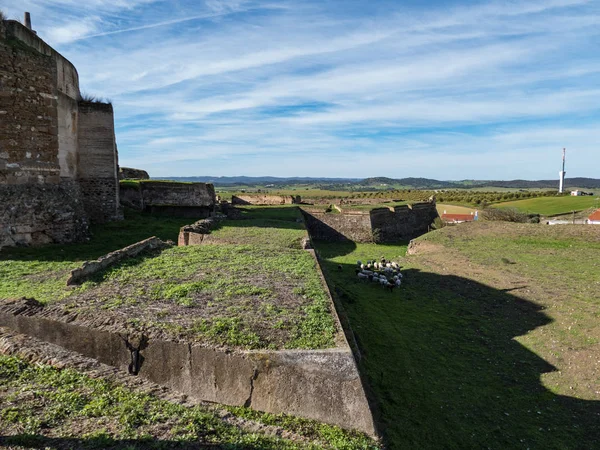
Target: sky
x,y
438,89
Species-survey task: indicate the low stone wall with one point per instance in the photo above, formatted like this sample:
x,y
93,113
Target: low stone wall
x,y
381,225
195,200
89,268
33,214
259,199
317,384
196,233
402,223
128,173
354,226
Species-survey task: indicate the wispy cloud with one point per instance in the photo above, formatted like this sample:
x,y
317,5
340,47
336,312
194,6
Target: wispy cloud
x,y
451,90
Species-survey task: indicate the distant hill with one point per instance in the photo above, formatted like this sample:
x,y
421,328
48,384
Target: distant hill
x,y
406,183
249,181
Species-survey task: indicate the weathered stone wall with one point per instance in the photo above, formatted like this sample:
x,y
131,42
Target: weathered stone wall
x,y
381,225
32,214
28,114
195,200
98,163
354,226
127,173
40,141
259,199
403,222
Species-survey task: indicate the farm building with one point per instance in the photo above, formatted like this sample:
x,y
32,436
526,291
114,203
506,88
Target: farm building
x,y
594,219
459,218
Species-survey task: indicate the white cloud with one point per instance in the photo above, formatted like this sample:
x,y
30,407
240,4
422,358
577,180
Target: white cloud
x,y
294,86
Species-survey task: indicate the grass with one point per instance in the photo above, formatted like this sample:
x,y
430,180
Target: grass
x,y
256,288
456,359
44,407
552,206
41,272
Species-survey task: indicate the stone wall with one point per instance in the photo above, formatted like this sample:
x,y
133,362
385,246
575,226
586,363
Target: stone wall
x,y
127,173
259,199
32,214
42,131
323,385
402,223
28,114
98,163
90,268
381,225
354,226
196,200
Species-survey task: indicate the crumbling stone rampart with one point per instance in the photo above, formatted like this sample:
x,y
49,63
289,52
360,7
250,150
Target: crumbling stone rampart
x,y
181,199
128,173
380,225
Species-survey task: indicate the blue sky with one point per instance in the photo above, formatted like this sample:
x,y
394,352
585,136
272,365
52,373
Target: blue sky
x,y
438,89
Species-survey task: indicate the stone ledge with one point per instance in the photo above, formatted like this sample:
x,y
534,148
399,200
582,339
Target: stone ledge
x,y
91,267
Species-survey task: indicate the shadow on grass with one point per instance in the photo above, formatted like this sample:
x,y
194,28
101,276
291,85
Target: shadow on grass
x,y
105,238
446,371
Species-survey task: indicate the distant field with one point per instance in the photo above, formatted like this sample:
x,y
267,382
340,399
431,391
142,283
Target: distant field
x,y
551,206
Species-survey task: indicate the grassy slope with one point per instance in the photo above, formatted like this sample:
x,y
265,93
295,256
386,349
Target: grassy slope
x,y
441,355
550,206
42,407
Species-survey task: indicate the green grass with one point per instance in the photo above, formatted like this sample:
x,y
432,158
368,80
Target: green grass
x,y
255,289
551,206
44,407
455,363
41,272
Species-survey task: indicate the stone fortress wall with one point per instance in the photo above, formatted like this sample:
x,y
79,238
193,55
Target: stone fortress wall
x,y
380,225
194,200
58,157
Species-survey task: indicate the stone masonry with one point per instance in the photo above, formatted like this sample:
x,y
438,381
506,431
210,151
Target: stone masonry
x,y
58,158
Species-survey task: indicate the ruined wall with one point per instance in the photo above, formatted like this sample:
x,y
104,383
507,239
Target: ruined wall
x,y
194,200
98,163
127,173
354,226
33,214
259,199
381,225
403,222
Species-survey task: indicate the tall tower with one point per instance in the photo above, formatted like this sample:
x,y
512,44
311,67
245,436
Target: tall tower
x,y
561,184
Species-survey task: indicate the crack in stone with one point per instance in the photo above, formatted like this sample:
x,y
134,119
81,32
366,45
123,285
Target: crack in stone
x,y
248,402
